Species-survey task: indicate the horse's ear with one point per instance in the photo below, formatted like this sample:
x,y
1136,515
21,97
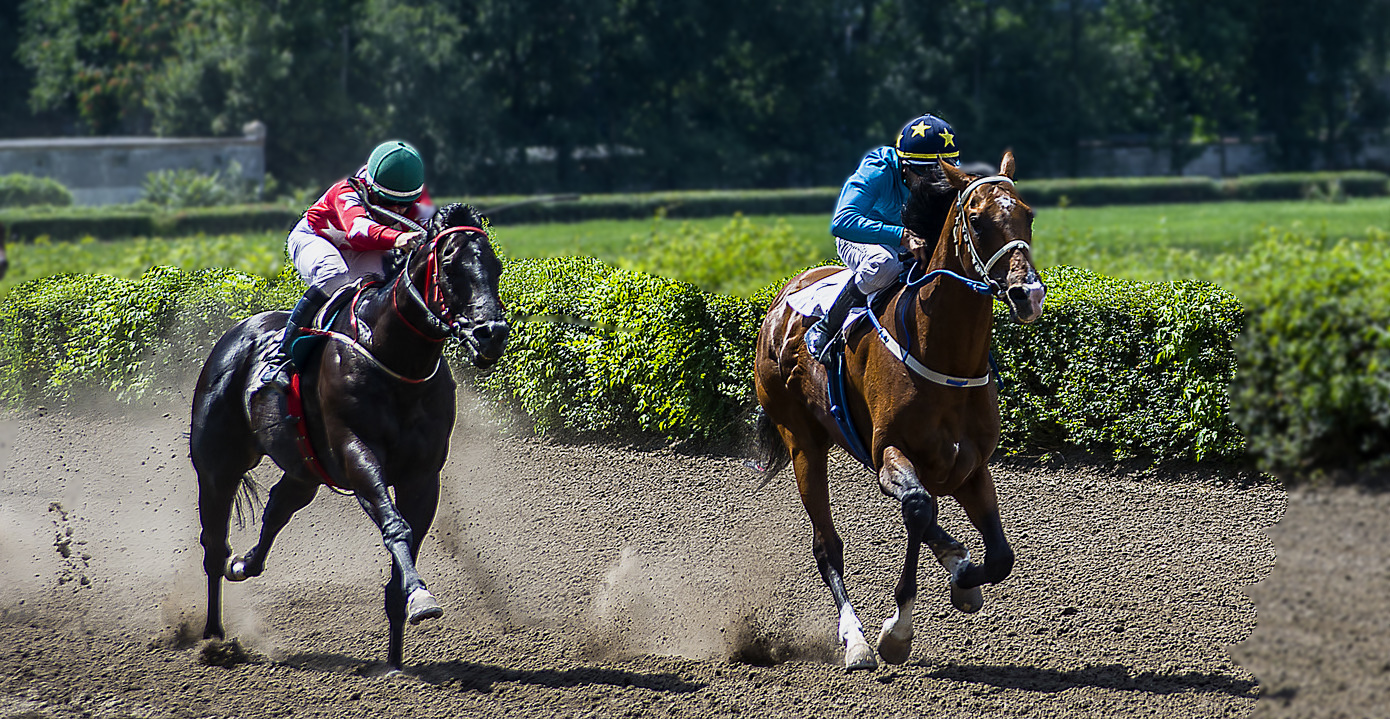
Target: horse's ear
x,y
959,180
1006,167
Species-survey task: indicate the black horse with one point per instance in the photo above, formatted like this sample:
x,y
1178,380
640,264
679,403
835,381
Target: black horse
x,y
378,406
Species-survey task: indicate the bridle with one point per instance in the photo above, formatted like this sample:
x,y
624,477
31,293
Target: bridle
x,y
442,323
964,236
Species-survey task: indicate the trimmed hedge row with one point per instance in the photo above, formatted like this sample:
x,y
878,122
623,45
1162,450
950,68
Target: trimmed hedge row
x,y
150,221
1114,368
145,221
1313,389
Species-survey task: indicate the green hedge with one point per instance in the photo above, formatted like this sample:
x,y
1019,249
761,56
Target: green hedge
x,y
1123,368
1295,186
1119,191
1114,368
18,190
67,335
1313,390
145,221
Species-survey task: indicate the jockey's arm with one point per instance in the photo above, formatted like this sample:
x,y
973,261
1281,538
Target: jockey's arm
x,y
363,233
855,214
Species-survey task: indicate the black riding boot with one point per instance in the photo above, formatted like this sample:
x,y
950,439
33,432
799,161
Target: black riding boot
x,y
820,336
281,367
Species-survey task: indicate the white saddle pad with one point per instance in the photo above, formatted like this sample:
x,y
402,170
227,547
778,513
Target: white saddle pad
x,y
815,299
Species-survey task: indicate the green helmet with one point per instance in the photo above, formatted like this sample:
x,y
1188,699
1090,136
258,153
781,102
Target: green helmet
x,y
396,171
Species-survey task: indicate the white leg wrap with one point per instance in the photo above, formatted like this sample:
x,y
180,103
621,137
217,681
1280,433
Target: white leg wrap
x,y
858,653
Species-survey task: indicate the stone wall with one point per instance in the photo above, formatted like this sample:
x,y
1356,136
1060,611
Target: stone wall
x,y
112,170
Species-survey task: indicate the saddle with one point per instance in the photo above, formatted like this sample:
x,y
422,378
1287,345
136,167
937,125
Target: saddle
x,y
311,338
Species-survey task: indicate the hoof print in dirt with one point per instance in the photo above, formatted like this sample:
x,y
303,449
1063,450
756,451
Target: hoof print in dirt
x,y
218,653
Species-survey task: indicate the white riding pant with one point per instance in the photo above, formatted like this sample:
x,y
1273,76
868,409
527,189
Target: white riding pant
x,y
875,267
322,264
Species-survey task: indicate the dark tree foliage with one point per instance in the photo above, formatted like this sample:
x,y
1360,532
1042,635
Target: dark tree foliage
x,y
524,95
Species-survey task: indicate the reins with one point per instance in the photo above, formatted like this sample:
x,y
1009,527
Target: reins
x,y
963,235
433,288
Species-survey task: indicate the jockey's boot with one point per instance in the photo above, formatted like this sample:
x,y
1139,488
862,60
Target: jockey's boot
x,y
821,335
277,374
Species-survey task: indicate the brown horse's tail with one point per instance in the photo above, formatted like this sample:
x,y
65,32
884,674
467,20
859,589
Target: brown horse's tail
x,y
775,456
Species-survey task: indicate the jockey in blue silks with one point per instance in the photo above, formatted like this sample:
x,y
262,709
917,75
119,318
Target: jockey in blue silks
x,y
867,224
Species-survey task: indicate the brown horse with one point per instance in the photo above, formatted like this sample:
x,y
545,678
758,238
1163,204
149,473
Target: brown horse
x,y
929,416
378,403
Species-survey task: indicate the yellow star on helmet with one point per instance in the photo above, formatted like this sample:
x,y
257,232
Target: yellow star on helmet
x,y
920,129
948,137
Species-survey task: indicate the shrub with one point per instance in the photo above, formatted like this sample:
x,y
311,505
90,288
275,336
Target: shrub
x,y
1301,185
66,334
600,349
17,190
1123,369
1118,191
191,188
1313,390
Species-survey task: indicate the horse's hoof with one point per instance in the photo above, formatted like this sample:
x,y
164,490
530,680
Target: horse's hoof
x,y
422,605
235,569
894,650
860,656
967,600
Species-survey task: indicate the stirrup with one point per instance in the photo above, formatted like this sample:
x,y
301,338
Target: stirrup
x,y
278,372
828,338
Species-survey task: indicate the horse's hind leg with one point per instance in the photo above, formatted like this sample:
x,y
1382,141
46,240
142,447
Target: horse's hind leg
x,y
828,548
899,479
955,558
977,497
288,496
216,494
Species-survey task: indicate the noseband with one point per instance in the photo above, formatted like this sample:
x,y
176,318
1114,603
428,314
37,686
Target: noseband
x,y
442,322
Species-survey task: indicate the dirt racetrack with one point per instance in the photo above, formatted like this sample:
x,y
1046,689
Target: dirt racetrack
x,y
600,581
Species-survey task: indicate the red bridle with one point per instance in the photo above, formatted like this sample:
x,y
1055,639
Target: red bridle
x,y
433,291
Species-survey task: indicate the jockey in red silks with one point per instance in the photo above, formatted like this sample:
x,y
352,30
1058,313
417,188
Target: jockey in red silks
x,y
338,241
867,224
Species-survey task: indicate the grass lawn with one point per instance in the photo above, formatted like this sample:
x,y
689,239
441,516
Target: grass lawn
x,y
1146,242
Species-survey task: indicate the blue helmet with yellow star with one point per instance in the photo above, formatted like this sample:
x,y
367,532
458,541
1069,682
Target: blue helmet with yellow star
x,y
927,139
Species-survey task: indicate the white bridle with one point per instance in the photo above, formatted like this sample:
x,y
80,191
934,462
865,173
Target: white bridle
x,y
964,231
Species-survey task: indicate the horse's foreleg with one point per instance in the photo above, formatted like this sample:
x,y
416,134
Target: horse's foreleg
x,y
829,550
417,506
977,497
898,479
399,539
288,496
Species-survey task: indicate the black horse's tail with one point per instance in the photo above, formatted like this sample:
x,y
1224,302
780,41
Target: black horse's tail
x,y
775,456
248,501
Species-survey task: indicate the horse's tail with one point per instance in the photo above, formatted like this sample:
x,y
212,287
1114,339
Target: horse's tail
x,y
248,500
775,456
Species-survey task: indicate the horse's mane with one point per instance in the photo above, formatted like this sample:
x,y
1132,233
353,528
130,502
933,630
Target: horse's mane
x,y
928,203
455,214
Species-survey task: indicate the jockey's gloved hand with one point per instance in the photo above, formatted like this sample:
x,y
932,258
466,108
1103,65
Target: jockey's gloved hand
x,y
405,239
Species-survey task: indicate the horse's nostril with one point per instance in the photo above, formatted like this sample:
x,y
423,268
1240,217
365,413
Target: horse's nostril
x,y
1018,296
482,332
